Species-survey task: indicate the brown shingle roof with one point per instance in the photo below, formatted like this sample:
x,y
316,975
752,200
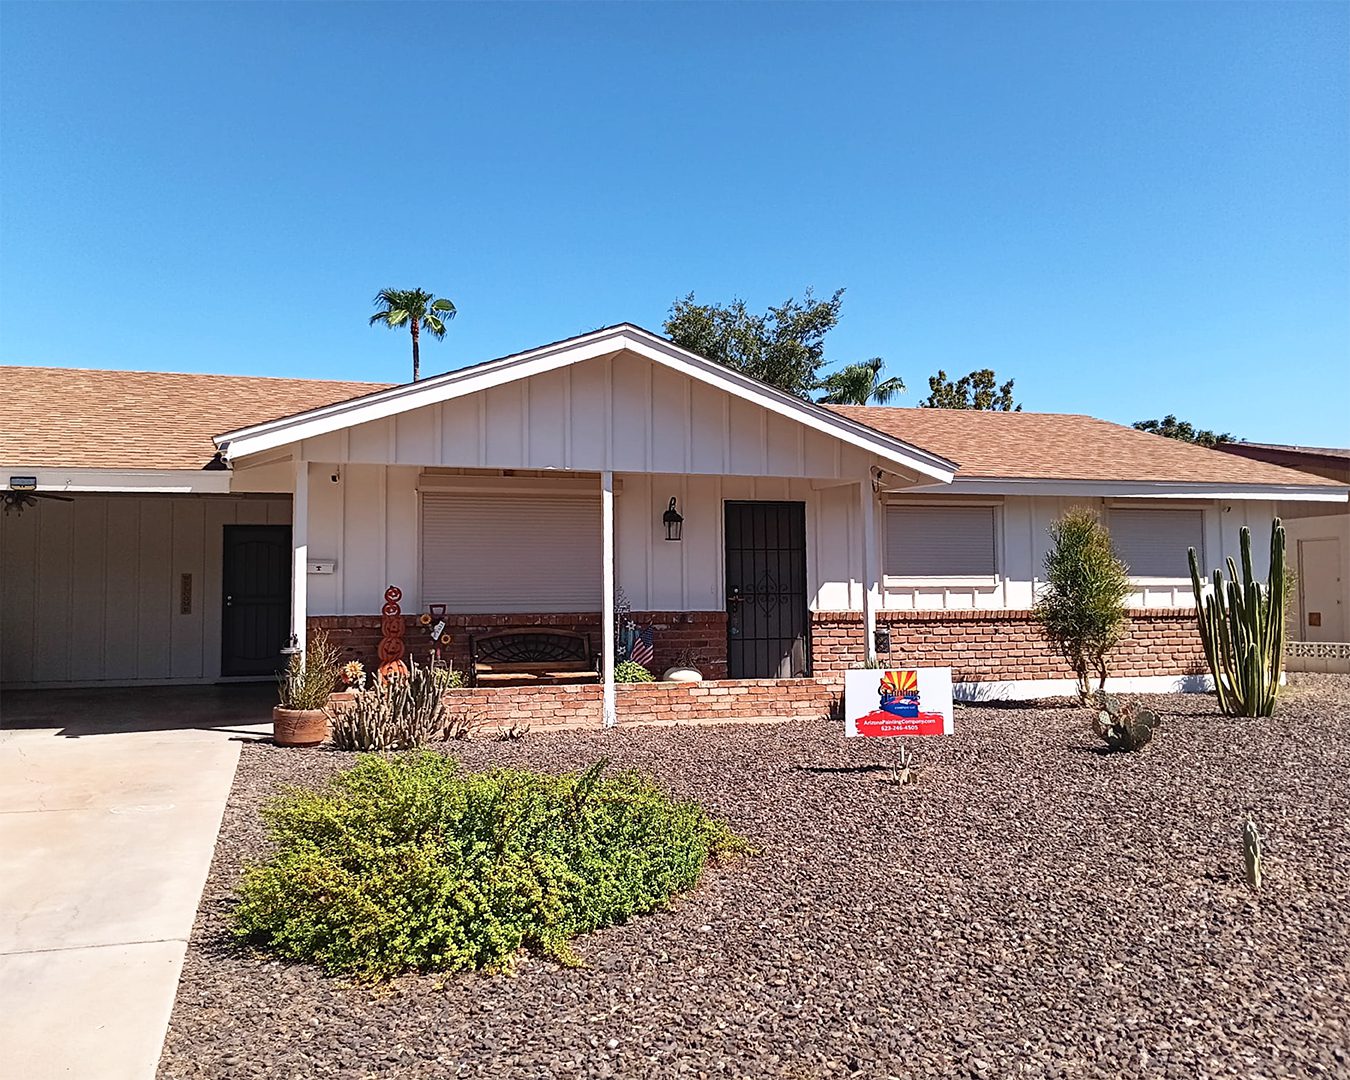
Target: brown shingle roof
x,y
81,418
1064,446
75,417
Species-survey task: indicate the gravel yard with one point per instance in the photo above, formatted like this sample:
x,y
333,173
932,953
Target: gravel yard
x,y
1031,908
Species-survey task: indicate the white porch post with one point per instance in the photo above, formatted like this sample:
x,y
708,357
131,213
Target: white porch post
x,y
871,579
610,713
300,553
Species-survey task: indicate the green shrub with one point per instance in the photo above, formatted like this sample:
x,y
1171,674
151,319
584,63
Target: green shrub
x,y
412,863
1081,607
631,671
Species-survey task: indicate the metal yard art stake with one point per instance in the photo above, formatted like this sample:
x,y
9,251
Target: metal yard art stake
x,y
435,620
391,627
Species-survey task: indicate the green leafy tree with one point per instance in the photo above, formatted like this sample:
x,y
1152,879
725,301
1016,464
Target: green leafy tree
x,y
1171,428
1081,607
860,384
785,346
978,390
418,310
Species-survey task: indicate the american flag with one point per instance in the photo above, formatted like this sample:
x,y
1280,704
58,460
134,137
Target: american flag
x,y
642,651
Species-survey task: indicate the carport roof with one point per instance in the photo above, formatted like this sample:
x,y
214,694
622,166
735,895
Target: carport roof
x,y
85,418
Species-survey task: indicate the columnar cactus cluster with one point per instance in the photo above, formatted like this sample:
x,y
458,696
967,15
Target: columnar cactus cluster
x,y
1242,627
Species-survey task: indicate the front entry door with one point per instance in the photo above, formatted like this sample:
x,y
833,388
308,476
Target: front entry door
x,y
767,624
257,599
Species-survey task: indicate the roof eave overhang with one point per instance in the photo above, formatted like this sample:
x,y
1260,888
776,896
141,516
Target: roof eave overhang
x,y
1137,489
120,481
247,442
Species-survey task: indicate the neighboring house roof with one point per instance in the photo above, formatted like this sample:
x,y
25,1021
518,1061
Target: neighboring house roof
x,y
1325,461
1306,451
1064,446
242,442
83,418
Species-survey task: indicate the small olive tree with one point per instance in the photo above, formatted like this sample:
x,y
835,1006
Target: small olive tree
x,y
1081,607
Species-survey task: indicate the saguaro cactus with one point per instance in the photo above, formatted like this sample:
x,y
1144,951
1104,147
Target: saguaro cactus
x,y
1242,628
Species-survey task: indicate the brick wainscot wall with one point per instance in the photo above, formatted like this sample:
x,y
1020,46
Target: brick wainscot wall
x,y
994,646
717,701
703,634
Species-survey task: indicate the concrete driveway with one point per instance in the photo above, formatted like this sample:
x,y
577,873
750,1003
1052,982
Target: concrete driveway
x,y
110,802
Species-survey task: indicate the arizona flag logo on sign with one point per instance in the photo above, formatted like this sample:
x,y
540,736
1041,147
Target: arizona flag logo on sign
x,y
915,701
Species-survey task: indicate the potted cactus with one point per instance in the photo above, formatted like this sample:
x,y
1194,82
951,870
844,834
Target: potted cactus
x,y
684,669
300,717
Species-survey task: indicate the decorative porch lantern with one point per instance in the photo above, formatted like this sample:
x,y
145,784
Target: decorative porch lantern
x,y
673,521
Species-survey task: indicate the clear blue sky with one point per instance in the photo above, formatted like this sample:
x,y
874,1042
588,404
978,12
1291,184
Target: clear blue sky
x,y
1132,208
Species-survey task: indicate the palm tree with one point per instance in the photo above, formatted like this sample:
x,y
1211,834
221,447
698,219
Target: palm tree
x,y
859,384
420,310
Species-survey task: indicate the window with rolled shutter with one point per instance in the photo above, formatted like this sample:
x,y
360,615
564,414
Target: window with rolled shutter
x,y
1153,543
940,541
496,554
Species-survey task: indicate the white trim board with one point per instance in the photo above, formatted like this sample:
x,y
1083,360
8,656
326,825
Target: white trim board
x,y
111,481
972,693
1130,489
249,441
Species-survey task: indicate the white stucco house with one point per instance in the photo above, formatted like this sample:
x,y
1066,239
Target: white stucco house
x,y
168,528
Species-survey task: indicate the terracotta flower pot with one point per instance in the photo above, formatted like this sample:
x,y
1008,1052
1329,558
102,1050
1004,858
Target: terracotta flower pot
x,y
299,727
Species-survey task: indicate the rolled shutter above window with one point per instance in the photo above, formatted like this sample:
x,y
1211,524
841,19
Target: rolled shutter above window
x,y
496,554
940,541
1153,543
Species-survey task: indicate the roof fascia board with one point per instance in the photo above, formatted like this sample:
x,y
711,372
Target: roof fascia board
x,y
110,481
247,442
909,457
1140,489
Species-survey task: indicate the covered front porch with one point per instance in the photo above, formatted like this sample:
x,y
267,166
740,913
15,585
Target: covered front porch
x,y
537,490
733,595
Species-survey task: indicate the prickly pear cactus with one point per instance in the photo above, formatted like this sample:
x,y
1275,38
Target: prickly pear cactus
x,y
1123,725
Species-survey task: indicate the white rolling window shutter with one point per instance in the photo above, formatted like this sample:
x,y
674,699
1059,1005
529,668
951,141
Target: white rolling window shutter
x,y
1153,543
496,554
940,541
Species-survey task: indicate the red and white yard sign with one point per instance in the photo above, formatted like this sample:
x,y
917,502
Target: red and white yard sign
x,y
899,701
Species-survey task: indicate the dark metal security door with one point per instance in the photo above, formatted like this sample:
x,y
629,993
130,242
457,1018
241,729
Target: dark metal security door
x,y
257,601
767,625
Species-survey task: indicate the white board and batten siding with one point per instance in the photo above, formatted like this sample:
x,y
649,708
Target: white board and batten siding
x,y
372,523
954,556
622,413
90,590
379,527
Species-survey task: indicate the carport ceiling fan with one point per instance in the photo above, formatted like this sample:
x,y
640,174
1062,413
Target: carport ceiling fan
x,y
23,493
